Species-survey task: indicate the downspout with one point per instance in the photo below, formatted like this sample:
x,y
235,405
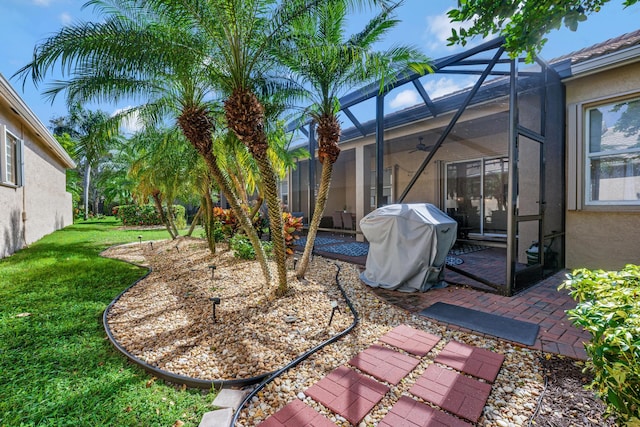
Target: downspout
x,y
20,180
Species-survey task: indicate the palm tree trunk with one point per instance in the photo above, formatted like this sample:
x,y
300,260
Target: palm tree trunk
x,y
241,215
85,190
171,219
314,224
157,200
245,117
274,208
208,222
198,128
194,221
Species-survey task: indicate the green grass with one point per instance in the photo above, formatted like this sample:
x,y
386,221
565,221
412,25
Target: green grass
x,y
56,366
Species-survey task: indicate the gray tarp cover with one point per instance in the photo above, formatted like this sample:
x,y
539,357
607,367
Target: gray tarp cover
x,y
408,246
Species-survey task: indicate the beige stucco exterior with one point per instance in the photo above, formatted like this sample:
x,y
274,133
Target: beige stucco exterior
x,y
40,204
598,237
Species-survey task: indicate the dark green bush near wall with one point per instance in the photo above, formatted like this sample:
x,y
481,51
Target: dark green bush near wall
x,y
609,308
147,215
137,215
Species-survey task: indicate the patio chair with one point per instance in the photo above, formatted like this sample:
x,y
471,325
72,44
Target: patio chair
x,y
348,222
337,219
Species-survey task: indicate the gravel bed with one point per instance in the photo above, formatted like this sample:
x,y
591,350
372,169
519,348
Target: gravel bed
x,y
166,320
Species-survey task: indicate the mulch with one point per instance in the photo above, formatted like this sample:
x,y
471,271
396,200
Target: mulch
x,y
565,401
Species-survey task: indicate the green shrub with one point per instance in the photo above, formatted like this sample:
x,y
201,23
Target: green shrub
x,y
609,308
180,217
242,248
147,215
137,215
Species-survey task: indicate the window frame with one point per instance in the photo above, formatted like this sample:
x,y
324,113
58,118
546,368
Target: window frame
x,y
10,139
589,156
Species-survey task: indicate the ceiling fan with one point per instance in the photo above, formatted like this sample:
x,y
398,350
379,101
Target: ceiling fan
x,y
421,146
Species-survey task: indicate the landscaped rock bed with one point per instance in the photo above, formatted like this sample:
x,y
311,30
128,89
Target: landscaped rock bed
x,y
166,320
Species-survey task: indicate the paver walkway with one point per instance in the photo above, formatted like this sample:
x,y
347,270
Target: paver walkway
x,y
460,393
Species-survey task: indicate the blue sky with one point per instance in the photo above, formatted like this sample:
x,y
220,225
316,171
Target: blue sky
x,y
424,25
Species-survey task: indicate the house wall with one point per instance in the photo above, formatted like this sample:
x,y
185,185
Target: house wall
x,y
42,204
599,237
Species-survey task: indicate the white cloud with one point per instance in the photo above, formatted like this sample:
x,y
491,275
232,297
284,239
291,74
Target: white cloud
x,y
439,30
406,98
43,3
446,85
65,18
132,123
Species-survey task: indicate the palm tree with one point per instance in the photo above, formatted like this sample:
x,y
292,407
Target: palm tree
x,y
329,65
172,73
243,64
243,32
94,133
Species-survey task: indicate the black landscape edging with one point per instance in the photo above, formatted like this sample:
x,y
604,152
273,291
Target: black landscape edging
x,y
161,373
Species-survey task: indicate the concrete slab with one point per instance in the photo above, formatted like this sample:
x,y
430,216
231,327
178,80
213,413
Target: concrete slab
x,y
230,398
219,418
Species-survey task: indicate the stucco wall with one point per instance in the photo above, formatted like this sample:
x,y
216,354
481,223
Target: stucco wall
x,y
602,237
42,204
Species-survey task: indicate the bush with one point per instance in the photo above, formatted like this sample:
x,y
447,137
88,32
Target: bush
x,y
147,215
179,215
242,247
608,307
291,226
137,215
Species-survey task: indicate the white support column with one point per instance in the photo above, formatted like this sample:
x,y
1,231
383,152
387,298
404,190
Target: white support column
x,y
360,196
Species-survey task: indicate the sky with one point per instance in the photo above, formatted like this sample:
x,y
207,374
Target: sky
x,y
424,25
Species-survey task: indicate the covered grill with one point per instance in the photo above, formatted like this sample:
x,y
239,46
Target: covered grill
x,y
408,246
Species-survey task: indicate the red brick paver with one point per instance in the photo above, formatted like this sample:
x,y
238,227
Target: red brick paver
x,y
474,361
454,392
297,414
411,340
385,364
411,413
348,393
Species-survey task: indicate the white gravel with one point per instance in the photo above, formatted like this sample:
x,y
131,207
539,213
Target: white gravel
x,y
166,320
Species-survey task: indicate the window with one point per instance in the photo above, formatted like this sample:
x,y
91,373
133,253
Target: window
x,y
284,193
387,188
11,148
612,153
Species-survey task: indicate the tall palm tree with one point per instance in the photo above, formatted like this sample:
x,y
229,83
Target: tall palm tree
x,y
94,134
143,50
244,33
329,64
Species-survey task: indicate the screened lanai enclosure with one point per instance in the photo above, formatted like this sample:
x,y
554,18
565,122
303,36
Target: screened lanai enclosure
x,y
482,138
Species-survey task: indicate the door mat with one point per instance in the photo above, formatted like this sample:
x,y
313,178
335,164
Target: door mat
x,y
487,323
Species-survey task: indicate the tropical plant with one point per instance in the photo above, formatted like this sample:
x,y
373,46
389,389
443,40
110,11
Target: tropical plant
x,y
175,73
523,23
95,133
329,64
608,309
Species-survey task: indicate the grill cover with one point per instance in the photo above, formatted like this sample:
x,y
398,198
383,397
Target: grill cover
x,y
408,246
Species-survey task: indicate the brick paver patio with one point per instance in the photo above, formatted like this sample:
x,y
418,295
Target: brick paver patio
x,y
348,393
297,414
384,363
471,360
452,391
408,412
411,340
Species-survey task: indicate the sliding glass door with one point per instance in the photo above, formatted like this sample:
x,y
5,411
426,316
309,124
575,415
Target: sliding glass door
x,y
476,195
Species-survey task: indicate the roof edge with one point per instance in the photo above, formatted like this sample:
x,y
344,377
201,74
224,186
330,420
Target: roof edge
x,y
14,100
610,60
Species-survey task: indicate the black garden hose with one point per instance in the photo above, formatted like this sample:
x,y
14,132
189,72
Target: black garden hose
x,y
161,373
303,356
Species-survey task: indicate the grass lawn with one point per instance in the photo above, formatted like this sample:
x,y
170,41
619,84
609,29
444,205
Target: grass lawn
x,y
56,365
